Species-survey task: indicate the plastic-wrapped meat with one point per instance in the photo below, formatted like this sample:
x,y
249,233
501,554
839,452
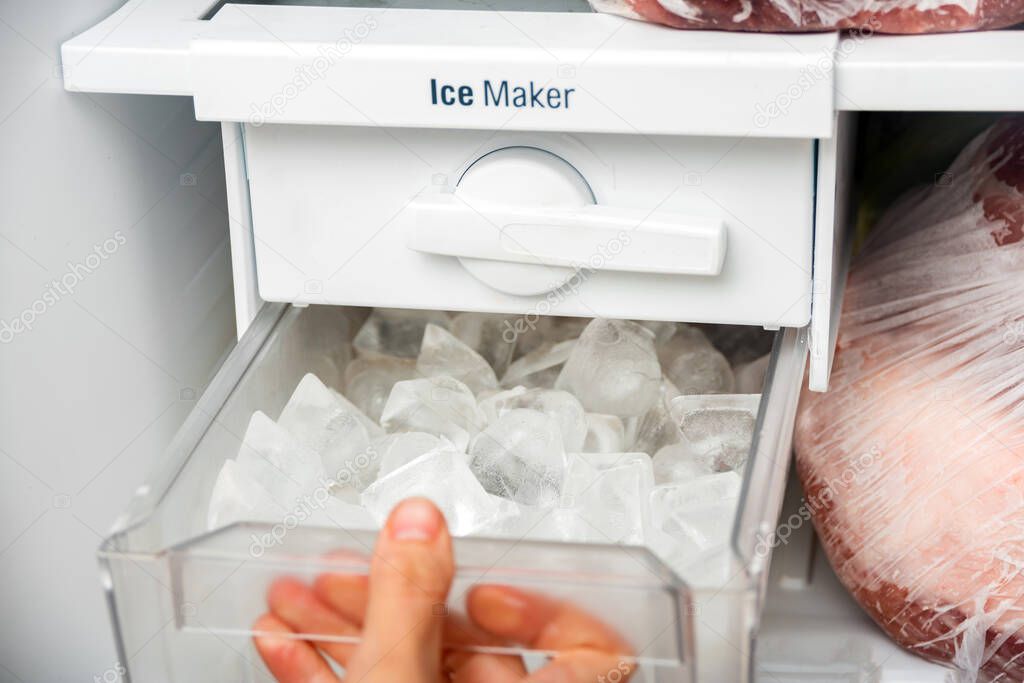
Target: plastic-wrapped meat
x,y
913,461
878,16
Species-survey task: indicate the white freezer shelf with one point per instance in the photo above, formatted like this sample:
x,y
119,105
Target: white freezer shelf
x,y
148,47
812,630
818,633
947,72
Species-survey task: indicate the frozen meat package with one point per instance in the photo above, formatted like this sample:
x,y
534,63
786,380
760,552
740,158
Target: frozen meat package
x,y
877,16
913,461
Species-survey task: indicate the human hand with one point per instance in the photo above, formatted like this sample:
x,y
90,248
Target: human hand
x,y
406,633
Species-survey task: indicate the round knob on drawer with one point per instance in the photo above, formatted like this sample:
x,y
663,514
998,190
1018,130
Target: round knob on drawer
x,y
523,220
524,177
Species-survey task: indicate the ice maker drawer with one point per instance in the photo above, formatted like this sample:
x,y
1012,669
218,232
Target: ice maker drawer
x,y
183,600
620,226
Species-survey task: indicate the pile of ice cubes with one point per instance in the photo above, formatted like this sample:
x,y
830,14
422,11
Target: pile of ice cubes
x,y
568,429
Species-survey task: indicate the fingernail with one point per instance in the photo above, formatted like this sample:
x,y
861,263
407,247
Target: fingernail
x,y
415,520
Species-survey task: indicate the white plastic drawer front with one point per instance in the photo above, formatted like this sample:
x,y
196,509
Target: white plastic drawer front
x,y
673,228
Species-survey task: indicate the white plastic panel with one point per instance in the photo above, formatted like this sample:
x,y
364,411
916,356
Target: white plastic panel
x,y
832,242
332,214
147,47
581,72
142,48
946,72
243,257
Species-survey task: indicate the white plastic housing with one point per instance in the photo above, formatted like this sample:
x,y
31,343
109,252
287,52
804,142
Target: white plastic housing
x,y
335,210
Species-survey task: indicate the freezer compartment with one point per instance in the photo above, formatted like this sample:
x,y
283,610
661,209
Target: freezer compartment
x,y
183,599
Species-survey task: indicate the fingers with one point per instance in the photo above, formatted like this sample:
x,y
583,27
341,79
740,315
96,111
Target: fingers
x,y
589,649
482,668
540,622
410,575
474,667
583,666
298,606
346,594
289,660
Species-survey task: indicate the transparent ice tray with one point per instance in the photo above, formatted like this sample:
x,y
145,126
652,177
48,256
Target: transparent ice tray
x,y
183,600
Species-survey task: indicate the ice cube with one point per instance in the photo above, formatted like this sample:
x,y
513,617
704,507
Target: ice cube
x,y
491,335
323,420
718,426
556,328
540,367
693,365
278,462
442,406
396,332
514,525
605,434
238,496
663,330
656,428
561,405
510,520
541,523
677,463
442,353
396,450
443,476
684,338
355,316
710,569
750,376
333,512
312,399
608,491
740,343
533,332
368,381
319,341
695,516
491,402
613,368
520,456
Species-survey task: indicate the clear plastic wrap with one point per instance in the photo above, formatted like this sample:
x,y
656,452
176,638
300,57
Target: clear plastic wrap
x,y
878,16
913,461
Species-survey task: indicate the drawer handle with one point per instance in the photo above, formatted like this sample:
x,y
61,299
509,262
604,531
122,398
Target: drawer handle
x,y
596,237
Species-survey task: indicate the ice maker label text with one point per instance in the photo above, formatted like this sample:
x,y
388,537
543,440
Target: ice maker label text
x,y
500,94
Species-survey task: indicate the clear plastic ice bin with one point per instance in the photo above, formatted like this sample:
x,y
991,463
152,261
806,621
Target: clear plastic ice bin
x,y
183,600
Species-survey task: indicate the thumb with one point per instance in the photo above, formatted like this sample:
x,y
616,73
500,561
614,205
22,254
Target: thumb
x,y
410,575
